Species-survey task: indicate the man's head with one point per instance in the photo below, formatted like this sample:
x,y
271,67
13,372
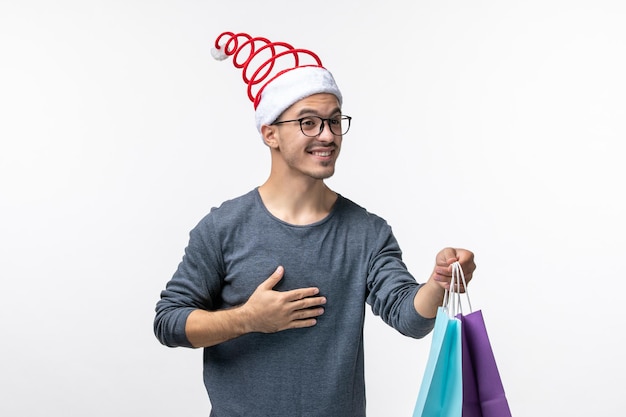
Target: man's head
x,y
277,74
306,139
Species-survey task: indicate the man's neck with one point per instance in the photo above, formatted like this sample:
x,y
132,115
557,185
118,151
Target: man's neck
x,y
298,202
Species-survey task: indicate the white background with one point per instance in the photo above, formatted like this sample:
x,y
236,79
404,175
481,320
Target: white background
x,y
492,125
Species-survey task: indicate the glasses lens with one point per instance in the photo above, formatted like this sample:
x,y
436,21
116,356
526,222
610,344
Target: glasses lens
x,y
339,125
312,126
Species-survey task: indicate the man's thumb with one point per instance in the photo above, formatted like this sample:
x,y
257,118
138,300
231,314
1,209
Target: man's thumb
x,y
273,279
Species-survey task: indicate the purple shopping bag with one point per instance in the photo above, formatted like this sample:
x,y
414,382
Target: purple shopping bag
x,y
471,402
483,392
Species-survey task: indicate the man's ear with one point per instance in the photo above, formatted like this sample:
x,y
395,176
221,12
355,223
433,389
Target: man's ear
x,y
269,134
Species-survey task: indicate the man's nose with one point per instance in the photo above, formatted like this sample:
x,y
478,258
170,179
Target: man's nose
x,y
326,134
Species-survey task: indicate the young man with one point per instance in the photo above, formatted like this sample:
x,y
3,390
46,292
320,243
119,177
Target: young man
x,y
273,284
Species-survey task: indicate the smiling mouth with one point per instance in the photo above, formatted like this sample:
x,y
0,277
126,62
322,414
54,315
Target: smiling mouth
x,y
321,153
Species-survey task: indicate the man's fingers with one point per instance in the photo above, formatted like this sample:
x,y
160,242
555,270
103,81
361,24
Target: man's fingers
x,y
273,279
306,314
446,257
292,295
300,324
301,293
308,302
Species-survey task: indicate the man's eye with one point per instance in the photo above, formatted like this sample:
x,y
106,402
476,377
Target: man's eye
x,y
309,122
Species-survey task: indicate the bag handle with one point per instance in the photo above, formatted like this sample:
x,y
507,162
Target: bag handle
x,y
452,297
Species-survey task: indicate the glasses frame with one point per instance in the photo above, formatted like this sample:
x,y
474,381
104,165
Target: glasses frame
x,y
324,120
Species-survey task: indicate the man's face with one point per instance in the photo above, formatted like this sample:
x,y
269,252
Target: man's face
x,y
314,157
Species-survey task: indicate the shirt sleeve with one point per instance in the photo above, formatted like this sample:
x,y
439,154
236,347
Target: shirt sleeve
x,y
392,288
195,285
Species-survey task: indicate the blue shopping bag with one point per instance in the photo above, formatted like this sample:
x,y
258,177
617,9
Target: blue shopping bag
x,y
441,391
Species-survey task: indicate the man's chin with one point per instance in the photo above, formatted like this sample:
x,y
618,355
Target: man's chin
x,y
323,175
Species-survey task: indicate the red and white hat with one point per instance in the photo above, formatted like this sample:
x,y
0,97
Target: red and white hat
x,y
277,74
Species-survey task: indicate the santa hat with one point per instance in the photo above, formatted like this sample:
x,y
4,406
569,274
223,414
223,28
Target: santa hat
x,y
277,74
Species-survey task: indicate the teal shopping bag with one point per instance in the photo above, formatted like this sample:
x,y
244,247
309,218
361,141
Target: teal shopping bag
x,y
441,391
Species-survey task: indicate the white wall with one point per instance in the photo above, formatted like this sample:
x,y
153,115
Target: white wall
x,y
496,126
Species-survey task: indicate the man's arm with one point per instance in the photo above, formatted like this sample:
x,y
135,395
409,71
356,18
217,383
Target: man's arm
x,y
266,311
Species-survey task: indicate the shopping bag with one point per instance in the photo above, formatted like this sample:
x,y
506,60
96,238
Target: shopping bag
x,y
471,402
483,392
482,385
441,391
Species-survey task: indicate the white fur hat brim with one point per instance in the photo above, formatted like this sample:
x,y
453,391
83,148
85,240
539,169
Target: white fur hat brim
x,y
290,87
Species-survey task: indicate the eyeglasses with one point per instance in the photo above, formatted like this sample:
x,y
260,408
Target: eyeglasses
x,y
313,126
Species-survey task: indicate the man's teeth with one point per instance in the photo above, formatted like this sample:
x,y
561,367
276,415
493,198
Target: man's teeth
x,y
325,153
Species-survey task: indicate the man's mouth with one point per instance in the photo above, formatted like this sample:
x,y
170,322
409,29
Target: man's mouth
x,y
321,153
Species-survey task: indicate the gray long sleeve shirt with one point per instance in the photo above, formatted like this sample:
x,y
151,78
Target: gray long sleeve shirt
x,y
351,256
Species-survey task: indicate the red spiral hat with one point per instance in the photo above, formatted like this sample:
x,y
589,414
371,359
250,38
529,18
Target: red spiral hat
x,y
276,74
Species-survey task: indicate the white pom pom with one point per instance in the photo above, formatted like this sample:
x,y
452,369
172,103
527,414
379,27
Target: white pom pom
x,y
218,54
